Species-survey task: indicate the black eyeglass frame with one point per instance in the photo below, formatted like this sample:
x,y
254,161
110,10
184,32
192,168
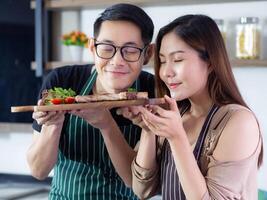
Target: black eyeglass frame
x,y
121,50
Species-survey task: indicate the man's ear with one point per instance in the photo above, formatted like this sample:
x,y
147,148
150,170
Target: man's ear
x,y
91,46
149,53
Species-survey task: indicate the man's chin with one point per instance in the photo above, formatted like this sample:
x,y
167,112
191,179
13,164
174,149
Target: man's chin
x,y
120,88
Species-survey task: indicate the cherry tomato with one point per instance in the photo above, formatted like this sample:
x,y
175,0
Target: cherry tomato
x,y
56,101
69,100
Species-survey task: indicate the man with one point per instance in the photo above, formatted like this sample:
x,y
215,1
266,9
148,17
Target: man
x,y
91,150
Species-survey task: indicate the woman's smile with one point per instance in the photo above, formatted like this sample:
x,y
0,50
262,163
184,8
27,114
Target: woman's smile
x,y
173,86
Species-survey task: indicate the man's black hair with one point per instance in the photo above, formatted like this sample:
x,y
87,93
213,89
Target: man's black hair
x,y
127,12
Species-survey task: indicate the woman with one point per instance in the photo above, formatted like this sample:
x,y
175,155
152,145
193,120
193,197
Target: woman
x,y
209,146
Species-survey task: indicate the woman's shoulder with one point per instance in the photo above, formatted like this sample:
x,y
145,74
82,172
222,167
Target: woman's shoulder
x,y
233,108
224,113
239,136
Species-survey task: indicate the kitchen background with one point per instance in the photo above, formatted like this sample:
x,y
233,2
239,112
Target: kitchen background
x,y
19,85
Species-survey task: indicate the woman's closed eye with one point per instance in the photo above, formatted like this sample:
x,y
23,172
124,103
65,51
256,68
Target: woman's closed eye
x,y
162,62
178,60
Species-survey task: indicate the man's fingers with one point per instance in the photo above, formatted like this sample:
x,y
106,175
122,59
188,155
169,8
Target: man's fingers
x,y
135,110
153,118
122,111
36,115
56,118
119,111
137,120
49,116
127,112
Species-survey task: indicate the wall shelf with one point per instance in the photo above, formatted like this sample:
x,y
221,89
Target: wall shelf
x,y
249,63
55,64
50,6
16,128
234,63
72,4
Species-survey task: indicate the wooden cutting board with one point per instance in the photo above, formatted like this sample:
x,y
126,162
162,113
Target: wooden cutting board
x,y
79,106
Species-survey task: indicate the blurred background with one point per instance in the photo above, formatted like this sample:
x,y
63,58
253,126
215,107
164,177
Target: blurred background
x,y
31,45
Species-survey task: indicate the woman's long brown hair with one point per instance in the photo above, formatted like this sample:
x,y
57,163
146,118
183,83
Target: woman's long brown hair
x,y
202,34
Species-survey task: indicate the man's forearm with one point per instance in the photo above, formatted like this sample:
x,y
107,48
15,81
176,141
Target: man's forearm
x,y
120,152
42,154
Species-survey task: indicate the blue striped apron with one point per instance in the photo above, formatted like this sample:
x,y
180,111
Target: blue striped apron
x,y
84,170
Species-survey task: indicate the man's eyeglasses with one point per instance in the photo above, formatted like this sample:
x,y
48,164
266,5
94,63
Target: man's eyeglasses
x,y
128,53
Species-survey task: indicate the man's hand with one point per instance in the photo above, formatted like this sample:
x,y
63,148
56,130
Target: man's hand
x,y
97,117
133,113
49,118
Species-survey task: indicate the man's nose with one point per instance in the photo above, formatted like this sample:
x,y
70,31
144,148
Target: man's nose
x,y
118,58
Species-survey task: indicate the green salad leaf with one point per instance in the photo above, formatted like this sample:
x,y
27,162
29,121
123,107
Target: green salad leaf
x,y
132,90
57,93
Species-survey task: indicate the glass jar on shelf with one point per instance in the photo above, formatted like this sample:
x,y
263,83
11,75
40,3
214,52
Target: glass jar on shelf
x,y
221,26
248,38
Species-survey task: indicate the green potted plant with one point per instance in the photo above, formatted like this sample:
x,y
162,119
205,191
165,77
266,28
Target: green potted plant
x,y
76,41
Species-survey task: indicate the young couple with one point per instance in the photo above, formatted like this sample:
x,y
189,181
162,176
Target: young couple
x,y
205,145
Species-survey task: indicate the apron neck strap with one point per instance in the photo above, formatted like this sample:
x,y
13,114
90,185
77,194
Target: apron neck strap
x,y
89,83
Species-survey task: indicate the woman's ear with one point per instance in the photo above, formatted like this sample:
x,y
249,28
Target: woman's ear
x,y
149,53
210,68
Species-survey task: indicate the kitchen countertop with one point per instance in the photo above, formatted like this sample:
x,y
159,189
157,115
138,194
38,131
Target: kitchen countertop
x,y
16,127
23,187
